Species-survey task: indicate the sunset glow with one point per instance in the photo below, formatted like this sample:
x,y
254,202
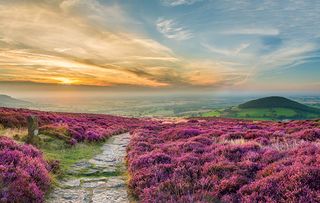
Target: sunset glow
x,y
66,81
159,101
118,43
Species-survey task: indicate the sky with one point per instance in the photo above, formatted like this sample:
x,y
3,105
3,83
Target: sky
x,y
216,45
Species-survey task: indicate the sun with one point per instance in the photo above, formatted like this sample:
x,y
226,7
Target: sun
x,y
65,81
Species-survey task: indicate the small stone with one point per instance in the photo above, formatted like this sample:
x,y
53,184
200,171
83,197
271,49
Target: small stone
x,y
71,183
97,189
114,182
84,180
118,195
67,195
91,172
94,184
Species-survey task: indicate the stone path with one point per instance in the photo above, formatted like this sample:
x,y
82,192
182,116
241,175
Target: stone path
x,y
99,180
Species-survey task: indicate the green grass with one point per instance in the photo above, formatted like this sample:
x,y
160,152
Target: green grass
x,y
214,113
265,113
55,149
260,113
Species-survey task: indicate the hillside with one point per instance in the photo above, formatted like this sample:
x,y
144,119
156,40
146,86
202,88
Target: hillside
x,y
7,101
201,158
268,108
277,102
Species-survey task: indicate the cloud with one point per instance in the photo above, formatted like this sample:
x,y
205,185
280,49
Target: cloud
x,y
50,42
94,11
287,55
253,31
179,2
212,73
172,30
227,52
58,45
106,44
47,68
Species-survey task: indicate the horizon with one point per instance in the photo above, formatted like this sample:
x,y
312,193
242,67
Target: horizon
x,y
159,47
159,101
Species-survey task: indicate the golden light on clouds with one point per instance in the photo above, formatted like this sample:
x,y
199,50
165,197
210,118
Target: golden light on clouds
x,y
65,81
83,43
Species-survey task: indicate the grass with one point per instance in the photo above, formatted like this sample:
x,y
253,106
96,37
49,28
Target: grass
x,y
265,112
58,149
55,149
99,174
13,132
260,113
214,113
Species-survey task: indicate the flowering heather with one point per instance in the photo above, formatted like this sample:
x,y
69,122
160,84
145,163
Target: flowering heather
x,y
24,175
226,160
73,127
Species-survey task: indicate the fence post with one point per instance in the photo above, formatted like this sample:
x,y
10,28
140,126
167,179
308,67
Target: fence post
x,y
33,128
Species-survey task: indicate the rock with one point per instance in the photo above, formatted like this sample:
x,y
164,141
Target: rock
x,y
33,130
109,189
33,126
69,195
71,183
91,171
111,195
115,182
94,184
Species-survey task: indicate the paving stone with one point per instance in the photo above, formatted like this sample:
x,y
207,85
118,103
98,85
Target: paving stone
x,y
94,184
114,182
68,195
71,183
92,189
110,195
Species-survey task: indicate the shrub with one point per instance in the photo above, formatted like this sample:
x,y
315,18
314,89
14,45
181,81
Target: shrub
x,y
80,127
24,175
197,162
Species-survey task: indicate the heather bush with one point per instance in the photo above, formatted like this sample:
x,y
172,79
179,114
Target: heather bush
x,y
24,175
72,127
308,134
202,161
59,131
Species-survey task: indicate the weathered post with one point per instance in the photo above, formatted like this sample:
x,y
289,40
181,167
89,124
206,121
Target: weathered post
x,y
33,128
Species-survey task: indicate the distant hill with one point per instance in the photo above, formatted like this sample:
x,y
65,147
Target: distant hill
x,y
277,102
268,108
7,101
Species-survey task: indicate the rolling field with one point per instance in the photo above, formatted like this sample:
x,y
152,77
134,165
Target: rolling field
x,y
267,108
260,113
168,160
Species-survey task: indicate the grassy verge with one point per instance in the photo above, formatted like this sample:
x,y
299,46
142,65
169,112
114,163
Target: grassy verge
x,y
13,132
55,149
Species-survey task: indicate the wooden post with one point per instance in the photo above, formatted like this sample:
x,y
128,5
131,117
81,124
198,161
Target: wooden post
x,y
33,128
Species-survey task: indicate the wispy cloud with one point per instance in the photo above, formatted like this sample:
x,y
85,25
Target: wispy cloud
x,y
109,43
212,73
172,30
286,56
227,52
55,39
253,31
68,48
179,2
